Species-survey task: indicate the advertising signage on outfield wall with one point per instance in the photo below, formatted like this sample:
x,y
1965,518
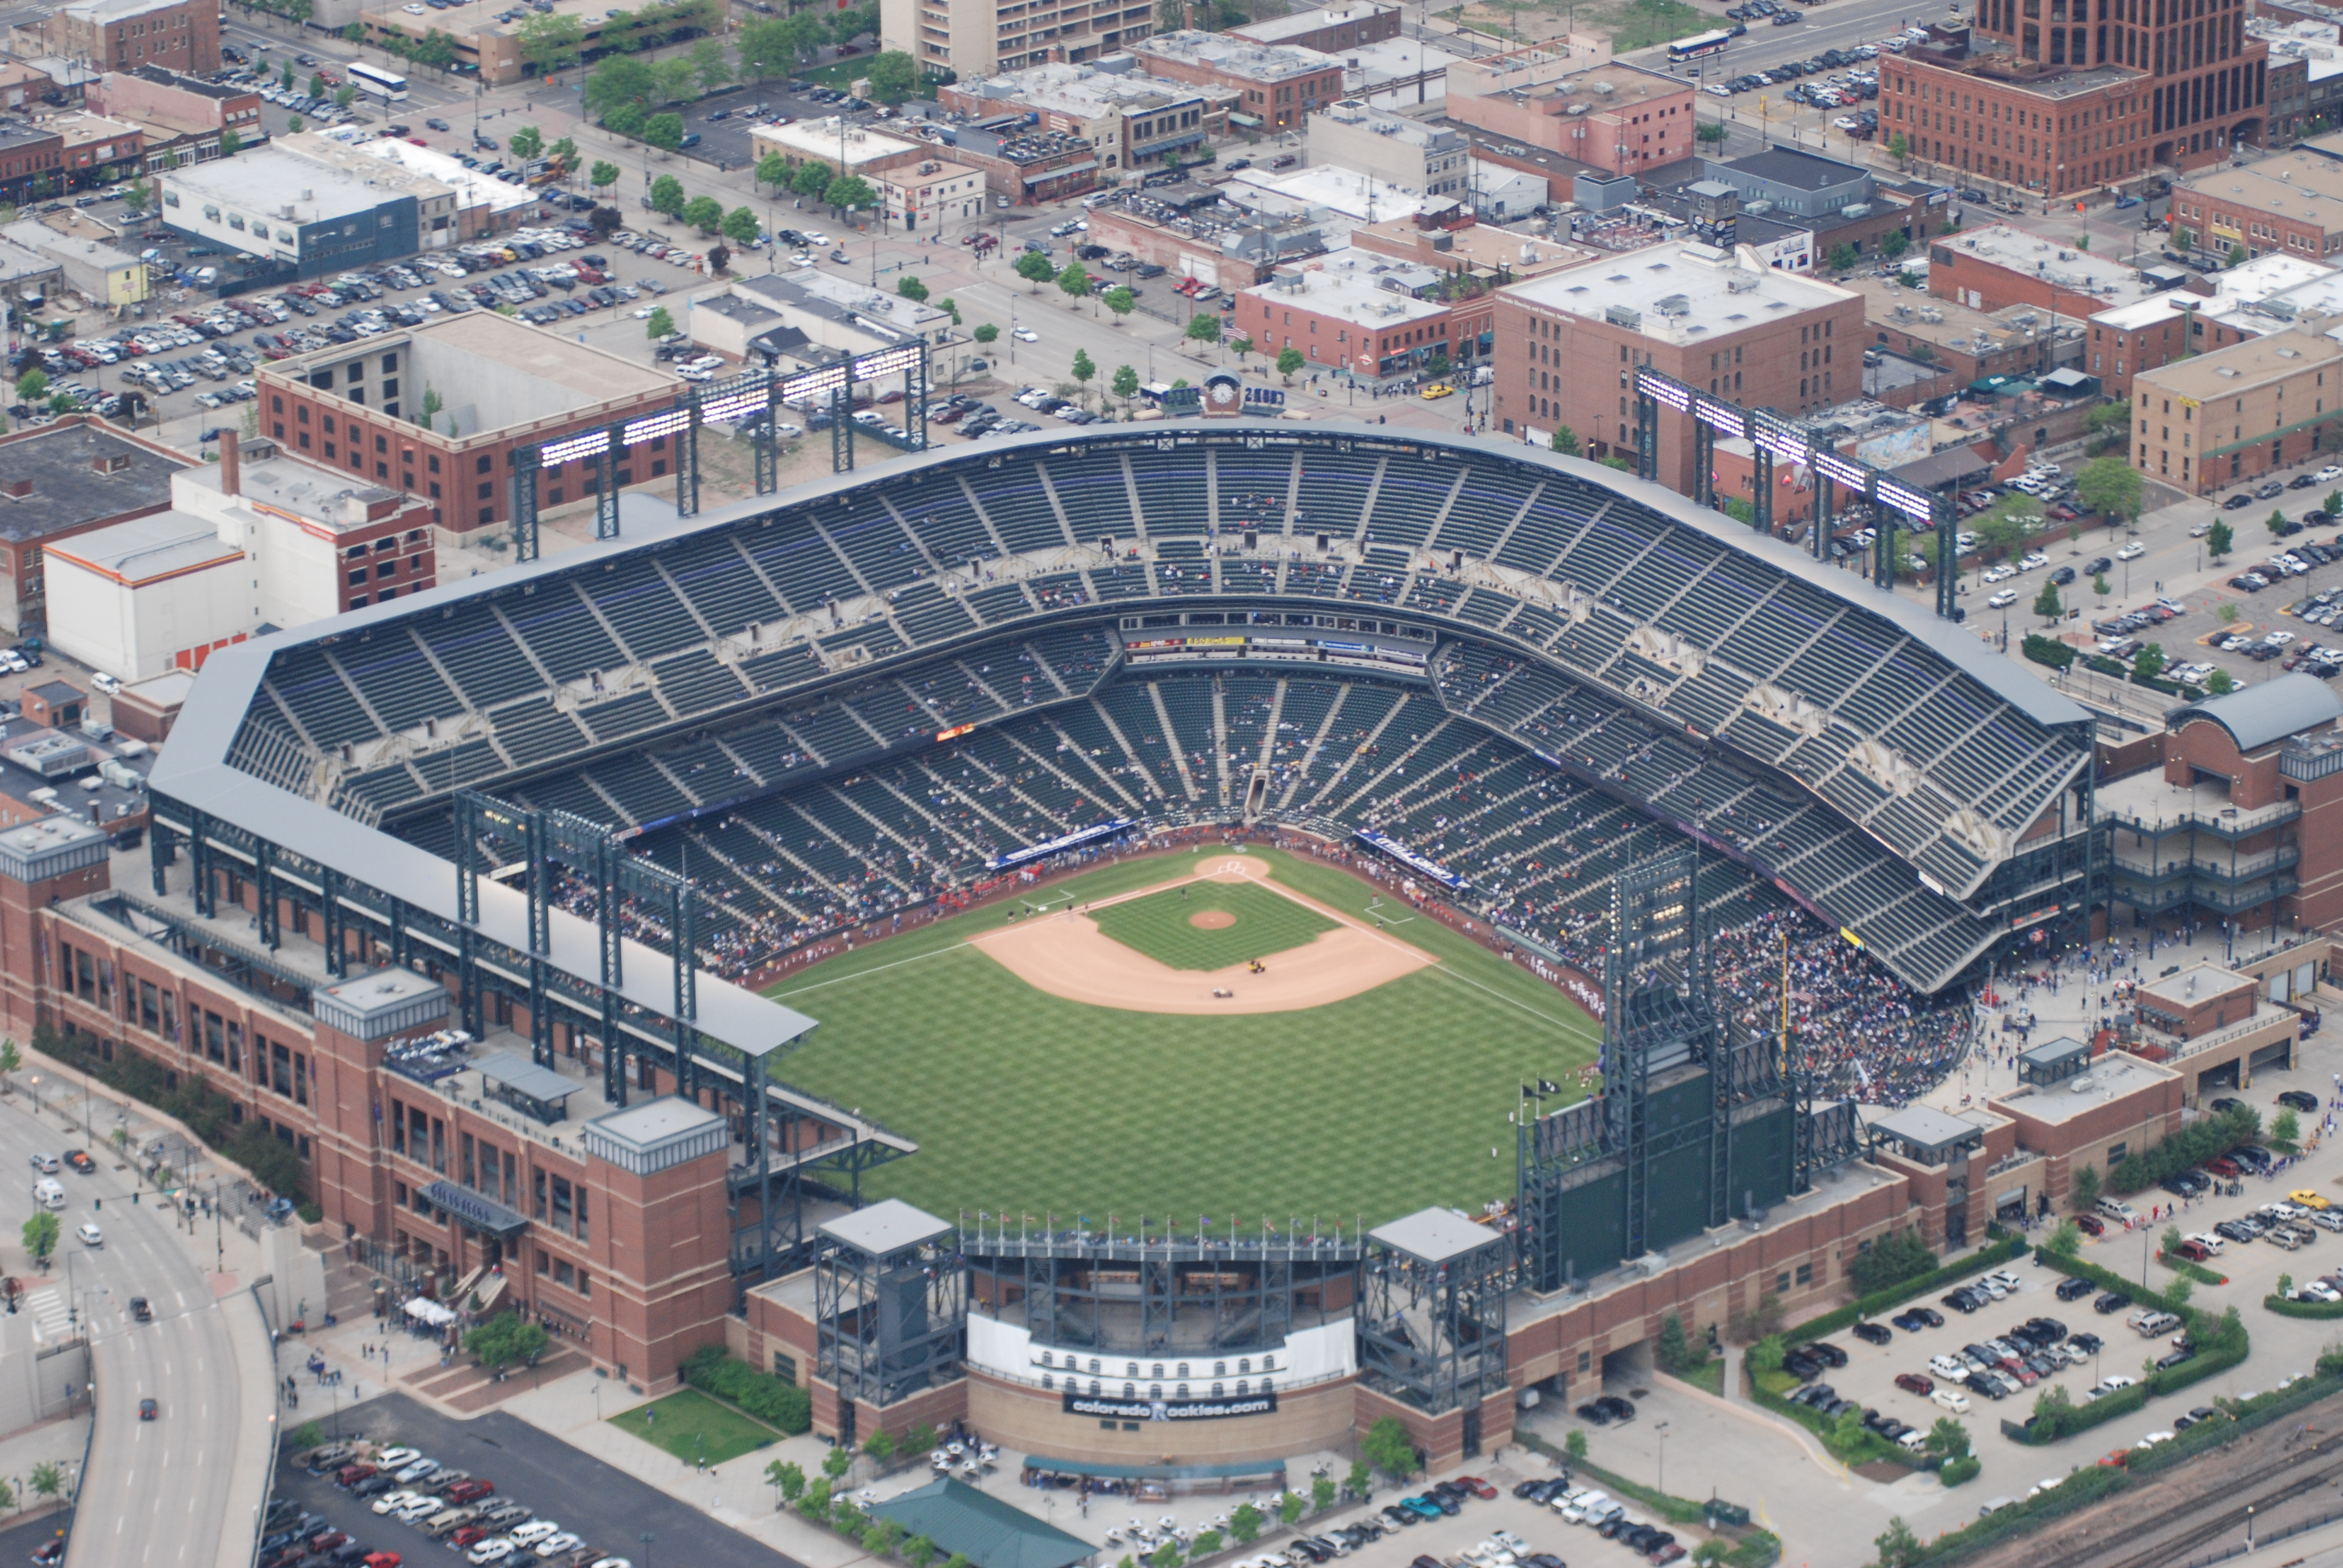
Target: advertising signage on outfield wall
x,y
1171,1410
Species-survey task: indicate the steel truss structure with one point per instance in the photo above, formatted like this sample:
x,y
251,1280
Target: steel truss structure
x,y
758,392
1781,440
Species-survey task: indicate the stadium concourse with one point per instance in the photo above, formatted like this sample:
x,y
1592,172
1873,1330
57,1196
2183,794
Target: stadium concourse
x,y
569,807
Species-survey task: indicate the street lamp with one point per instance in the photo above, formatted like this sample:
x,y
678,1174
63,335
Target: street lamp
x,y
1660,1430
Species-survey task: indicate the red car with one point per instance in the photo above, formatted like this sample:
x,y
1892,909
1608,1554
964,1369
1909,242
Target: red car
x,y
465,1491
1477,1487
1913,1383
466,1538
328,1541
380,1560
2090,1225
349,1475
2222,1165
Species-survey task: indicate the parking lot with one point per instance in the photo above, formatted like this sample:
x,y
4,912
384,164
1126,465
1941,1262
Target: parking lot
x,y
611,1515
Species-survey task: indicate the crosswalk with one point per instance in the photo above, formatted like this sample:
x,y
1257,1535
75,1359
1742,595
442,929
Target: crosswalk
x,y
47,1309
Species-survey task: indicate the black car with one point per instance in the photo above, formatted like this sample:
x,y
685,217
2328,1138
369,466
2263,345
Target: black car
x,y
2188,1184
140,1311
2113,1302
2165,1363
2302,481
2098,564
2068,1289
1830,1355
2230,1230
1802,1366
2087,1343
2241,498
1875,1334
2063,576
1403,1516
2299,1100
1594,1414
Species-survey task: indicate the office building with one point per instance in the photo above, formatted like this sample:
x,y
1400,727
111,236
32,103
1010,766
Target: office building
x,y
2235,414
1277,85
1620,119
120,34
983,39
1382,146
1130,117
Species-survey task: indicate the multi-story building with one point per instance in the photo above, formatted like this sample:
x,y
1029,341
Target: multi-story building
x,y
1987,268
1969,345
1347,312
180,118
121,34
85,250
1383,146
1727,324
1330,30
1130,117
2291,204
990,36
1618,118
487,37
1275,86
499,385
62,480
2252,299
836,145
1190,231
926,196
1022,162
2236,413
2066,103
98,150
31,161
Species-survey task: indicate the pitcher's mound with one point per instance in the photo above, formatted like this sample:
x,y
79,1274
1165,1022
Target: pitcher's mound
x,y
1212,919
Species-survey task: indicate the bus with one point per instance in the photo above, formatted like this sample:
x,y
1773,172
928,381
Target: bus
x,y
1695,48
382,83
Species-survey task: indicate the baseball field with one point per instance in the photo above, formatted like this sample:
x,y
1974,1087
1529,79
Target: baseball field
x,y
1060,1056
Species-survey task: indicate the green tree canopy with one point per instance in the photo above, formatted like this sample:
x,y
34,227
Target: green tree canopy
x,y
773,169
550,41
505,1339
985,334
602,176
1035,268
851,192
1204,327
911,288
627,120
790,1478
2218,539
667,196
1290,361
1564,441
1074,281
811,180
763,49
704,212
616,79
894,76
711,65
2109,486
2147,664
659,323
1083,367
2046,603
1125,384
526,142
40,1233
2083,1189
664,132
1120,301
2220,683
672,78
1388,1449
740,225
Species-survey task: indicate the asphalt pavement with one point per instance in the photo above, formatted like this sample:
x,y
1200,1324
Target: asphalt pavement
x,y
182,1490
609,1508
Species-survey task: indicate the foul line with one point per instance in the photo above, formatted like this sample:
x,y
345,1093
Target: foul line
x,y
842,979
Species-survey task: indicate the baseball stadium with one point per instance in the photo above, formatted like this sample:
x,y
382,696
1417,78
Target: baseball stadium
x,y
1201,830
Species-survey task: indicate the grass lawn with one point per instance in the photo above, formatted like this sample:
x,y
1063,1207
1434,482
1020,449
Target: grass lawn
x,y
690,1425
1163,925
1640,23
1025,1103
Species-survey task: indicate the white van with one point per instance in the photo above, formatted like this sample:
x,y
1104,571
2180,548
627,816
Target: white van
x,y
48,1194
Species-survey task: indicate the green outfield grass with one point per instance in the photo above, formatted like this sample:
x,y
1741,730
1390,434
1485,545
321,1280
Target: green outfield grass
x,y
1026,1103
690,1425
1160,925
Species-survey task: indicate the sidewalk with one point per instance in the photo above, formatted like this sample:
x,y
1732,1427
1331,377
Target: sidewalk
x,y
60,1441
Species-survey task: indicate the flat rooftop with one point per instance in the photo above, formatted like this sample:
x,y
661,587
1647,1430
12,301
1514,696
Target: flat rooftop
x,y
268,180
1278,29
2241,367
355,147
821,139
1798,170
1679,293
314,494
479,16
2197,982
1235,56
2077,271
2146,802
148,549
1997,62
1945,322
493,366
2111,1077
1349,286
2295,184
61,467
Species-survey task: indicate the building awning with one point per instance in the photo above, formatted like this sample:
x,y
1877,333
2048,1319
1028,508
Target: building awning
x,y
539,1091
1062,171
1248,121
986,1531
479,1213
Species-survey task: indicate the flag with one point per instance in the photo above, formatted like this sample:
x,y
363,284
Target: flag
x,y
1548,1086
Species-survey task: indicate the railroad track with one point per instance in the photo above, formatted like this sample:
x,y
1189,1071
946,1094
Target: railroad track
x,y
2329,1450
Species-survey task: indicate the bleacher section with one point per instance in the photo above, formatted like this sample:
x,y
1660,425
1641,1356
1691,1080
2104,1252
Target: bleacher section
x,y
833,632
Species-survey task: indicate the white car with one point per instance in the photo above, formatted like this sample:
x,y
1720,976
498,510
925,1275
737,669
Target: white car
x,y
2003,600
422,1507
535,1531
89,1234
2328,473
1025,335
557,1545
2132,551
2034,562
392,1502
1952,1400
1945,1367
393,1458
2318,1291
1577,1509
1999,573
495,1549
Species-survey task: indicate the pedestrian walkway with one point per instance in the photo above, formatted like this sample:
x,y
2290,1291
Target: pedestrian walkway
x,y
47,1308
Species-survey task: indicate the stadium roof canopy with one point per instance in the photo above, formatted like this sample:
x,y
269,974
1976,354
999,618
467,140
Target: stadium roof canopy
x,y
2270,710
986,1531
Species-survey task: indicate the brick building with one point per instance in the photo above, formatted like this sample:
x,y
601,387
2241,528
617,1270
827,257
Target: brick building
x,y
2238,413
2084,102
1620,119
31,161
1339,312
98,150
972,40
352,408
1990,268
122,35
1276,86
1970,345
1130,118
2291,204
1753,334
62,480
175,113
1330,30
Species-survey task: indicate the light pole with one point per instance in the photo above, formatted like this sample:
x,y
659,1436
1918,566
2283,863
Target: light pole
x,y
1660,1430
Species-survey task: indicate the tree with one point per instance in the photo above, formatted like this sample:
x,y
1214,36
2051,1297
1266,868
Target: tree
x,y
2008,523
1290,362
316,85
1125,385
1289,1507
2111,486
664,132
740,226
11,1059
711,65
879,1445
764,49
850,194
1035,268
1388,1449
1892,1259
1894,243
526,143
666,195
437,50
627,120
1209,1541
1168,1555
618,79
231,144
836,1463
671,79
2276,524
1674,1352
2101,586
1899,146
504,1339
33,384
47,1479
1241,345
2149,663
912,289
659,323
1360,1478
550,41
791,1478
1074,282
773,170
606,220
804,33
1898,1547
1949,1439
1245,1523
1204,327
2177,1291
2285,1131
1323,1491
2218,539
894,76
2046,603
985,334
2220,683
1574,1445
293,126
40,1234
1083,368
1843,257
1120,301
2083,1189
563,151
704,212
918,1551
811,180
429,409
2236,256
1566,441
2066,1240
1709,132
